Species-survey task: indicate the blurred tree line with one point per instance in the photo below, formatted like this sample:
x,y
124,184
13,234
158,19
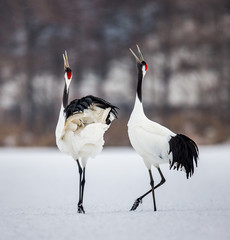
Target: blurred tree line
x,y
187,44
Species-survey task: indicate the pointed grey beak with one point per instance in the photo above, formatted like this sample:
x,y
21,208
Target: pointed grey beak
x,y
66,62
139,51
139,60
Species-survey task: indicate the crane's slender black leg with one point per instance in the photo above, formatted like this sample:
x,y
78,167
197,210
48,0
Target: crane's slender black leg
x,y
139,200
153,192
80,207
82,189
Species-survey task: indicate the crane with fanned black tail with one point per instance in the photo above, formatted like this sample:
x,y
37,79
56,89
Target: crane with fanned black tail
x,y
81,127
157,144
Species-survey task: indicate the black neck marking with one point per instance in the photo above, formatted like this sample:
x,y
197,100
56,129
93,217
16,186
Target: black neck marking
x,y
65,96
139,83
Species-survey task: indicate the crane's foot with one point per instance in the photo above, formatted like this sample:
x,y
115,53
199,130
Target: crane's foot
x,y
80,209
136,204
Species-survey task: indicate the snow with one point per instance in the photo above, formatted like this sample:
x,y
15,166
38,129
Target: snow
x,y
38,197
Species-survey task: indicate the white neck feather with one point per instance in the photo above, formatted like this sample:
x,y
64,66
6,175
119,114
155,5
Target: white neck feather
x,y
138,106
138,111
61,122
68,84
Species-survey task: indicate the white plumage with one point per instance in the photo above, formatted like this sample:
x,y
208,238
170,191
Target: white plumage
x,y
157,144
81,127
82,135
148,138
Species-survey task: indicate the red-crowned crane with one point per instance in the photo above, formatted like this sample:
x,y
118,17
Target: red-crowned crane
x,y
81,127
157,144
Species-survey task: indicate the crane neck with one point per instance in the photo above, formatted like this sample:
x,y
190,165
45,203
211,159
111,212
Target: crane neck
x,y
65,96
138,106
139,85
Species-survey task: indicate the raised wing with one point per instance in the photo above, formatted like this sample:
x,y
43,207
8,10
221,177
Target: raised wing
x,y
92,103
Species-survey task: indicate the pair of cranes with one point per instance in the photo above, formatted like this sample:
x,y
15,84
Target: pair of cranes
x,y
83,122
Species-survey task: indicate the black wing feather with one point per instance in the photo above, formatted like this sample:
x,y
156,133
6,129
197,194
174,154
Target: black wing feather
x,y
79,105
185,153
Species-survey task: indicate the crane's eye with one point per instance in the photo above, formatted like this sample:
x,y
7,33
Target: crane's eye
x,y
146,67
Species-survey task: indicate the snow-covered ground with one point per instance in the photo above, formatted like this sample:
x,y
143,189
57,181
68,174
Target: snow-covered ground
x,y
38,197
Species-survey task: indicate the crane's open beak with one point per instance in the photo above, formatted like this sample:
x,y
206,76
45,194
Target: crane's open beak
x,y
140,59
66,62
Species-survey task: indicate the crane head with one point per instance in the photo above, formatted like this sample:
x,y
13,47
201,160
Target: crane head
x,y
67,70
141,64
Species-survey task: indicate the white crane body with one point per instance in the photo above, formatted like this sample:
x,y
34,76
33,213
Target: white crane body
x,y
82,134
148,138
81,126
155,143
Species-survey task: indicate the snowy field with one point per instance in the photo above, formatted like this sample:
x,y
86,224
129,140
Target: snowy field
x,y
39,194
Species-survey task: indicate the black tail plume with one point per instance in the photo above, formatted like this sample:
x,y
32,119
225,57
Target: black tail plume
x,y
184,153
